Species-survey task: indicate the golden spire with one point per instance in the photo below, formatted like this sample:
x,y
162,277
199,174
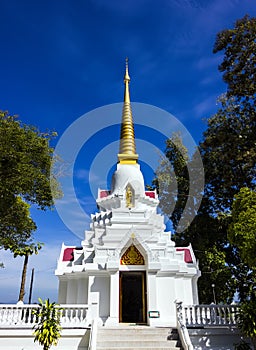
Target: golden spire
x,y
127,150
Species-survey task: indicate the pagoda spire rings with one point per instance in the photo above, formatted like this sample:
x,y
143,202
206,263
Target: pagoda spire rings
x,y
127,150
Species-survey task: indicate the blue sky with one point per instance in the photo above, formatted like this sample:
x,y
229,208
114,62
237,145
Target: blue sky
x,y
62,59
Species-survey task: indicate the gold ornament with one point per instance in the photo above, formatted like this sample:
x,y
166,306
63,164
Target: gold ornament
x,y
132,256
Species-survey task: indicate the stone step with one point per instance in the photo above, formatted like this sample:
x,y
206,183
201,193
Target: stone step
x,y
136,330
137,337
140,336
137,343
138,348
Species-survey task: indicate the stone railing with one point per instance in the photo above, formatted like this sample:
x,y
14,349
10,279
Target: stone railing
x,y
203,316
181,327
210,315
25,316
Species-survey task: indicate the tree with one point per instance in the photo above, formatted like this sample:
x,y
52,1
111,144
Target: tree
x,y
25,179
242,229
16,225
239,63
25,250
228,152
229,157
48,329
242,235
247,320
228,145
25,172
172,179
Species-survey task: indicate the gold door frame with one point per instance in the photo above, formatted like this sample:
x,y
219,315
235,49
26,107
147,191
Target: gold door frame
x,y
142,275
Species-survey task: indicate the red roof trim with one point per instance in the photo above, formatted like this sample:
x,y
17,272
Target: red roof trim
x,y
150,194
68,254
187,254
104,193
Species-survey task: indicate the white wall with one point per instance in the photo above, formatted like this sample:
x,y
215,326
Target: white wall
x,y
23,339
101,285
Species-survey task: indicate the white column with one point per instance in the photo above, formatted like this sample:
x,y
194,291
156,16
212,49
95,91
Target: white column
x,y
152,297
93,300
82,290
114,299
71,290
62,295
195,290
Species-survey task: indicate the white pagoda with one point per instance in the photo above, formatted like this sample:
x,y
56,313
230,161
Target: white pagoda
x,y
127,262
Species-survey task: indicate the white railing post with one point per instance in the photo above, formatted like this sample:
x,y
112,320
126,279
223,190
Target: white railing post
x,y
93,335
181,326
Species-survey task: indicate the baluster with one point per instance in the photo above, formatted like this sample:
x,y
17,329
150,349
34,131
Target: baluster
x,y
79,312
69,315
225,314
192,315
212,318
15,315
8,315
195,315
62,311
207,318
185,311
201,312
232,315
29,316
64,315
228,312
2,317
21,315
80,315
215,314
76,314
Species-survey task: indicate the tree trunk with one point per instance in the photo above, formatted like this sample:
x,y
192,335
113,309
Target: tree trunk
x,y
23,279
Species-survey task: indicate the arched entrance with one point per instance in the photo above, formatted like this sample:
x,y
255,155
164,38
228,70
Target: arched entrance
x,y
132,289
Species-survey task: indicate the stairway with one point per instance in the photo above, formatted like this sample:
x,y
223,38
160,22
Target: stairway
x,y
137,337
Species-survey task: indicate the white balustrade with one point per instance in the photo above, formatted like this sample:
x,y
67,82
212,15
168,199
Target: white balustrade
x,y
210,315
203,316
25,316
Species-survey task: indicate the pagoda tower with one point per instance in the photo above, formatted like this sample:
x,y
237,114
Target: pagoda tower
x,y
127,263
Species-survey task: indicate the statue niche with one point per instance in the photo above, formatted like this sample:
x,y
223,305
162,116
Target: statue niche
x,y
130,197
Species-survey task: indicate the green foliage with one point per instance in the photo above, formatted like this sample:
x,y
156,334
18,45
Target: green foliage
x,y
207,236
25,174
242,230
47,330
172,179
16,225
228,151
26,249
247,320
229,157
242,346
239,63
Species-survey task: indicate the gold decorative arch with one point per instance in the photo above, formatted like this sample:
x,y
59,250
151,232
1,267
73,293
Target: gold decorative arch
x,y
132,256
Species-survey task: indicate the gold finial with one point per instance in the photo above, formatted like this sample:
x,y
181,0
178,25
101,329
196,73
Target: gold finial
x,y
126,77
127,151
